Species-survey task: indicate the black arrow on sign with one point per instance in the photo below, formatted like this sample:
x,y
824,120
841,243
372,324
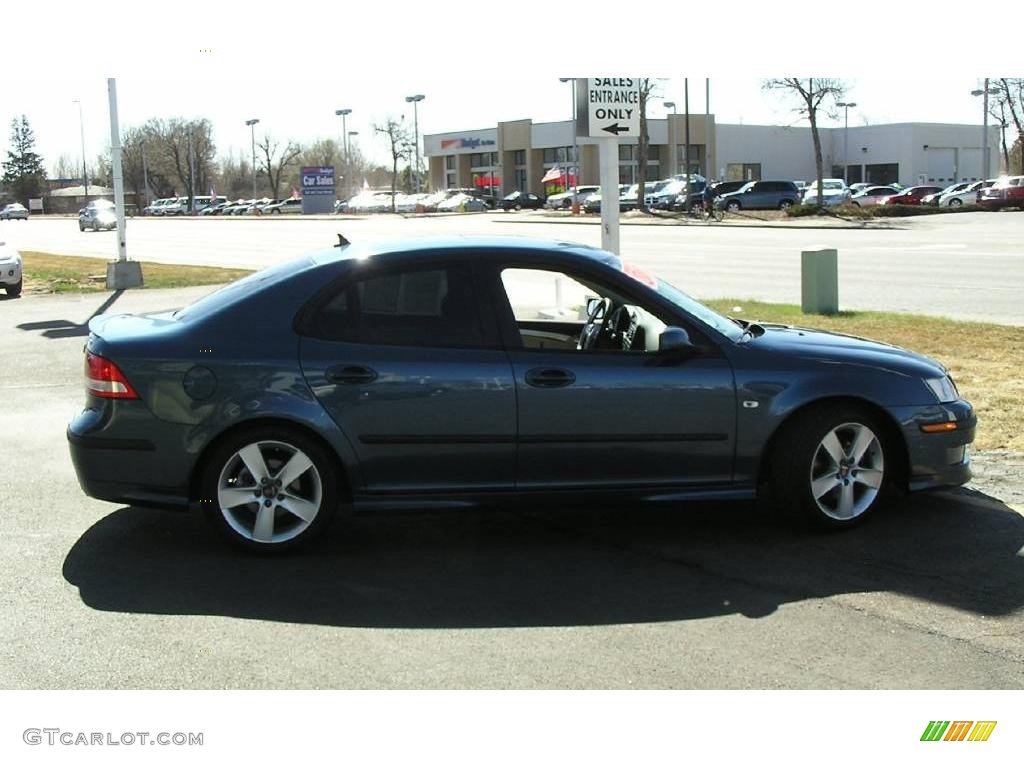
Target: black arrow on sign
x,y
615,128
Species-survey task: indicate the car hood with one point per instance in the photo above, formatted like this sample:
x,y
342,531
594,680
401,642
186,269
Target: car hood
x,y
828,347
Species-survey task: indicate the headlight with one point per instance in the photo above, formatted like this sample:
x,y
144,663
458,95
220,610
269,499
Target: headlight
x,y
944,389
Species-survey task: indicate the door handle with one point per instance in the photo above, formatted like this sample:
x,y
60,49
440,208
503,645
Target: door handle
x,y
549,378
350,374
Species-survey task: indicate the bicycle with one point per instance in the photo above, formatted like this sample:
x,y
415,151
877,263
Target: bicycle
x,y
701,210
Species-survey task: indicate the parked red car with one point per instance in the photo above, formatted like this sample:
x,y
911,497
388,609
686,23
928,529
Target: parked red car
x,y
1008,191
911,195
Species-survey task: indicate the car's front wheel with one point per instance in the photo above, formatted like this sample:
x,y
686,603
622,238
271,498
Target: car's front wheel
x,y
14,290
270,489
956,202
732,206
832,467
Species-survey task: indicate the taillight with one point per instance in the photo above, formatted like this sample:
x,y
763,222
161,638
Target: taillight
x,y
104,379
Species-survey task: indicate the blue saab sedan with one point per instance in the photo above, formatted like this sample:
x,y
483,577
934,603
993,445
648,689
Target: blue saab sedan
x,y
456,371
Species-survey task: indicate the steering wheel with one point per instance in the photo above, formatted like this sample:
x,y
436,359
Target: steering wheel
x,y
595,322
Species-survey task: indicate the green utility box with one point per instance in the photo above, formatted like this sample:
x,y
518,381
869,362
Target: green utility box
x,y
819,281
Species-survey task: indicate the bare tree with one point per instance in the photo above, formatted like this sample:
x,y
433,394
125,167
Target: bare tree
x,y
183,150
400,144
66,167
810,94
997,111
275,160
1012,93
647,86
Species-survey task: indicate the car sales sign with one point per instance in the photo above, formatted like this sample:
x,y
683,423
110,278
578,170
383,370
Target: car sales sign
x,y
318,180
612,106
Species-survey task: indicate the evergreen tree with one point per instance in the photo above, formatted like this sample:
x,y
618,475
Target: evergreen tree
x,y
24,174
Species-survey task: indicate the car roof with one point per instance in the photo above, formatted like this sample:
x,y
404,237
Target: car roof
x,y
428,246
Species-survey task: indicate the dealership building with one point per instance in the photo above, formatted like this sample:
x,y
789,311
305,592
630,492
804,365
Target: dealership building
x,y
517,154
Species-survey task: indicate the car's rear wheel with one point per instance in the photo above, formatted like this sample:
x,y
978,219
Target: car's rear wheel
x,y
270,489
831,467
95,226
956,202
14,290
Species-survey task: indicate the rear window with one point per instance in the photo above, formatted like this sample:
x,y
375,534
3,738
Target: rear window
x,y
233,292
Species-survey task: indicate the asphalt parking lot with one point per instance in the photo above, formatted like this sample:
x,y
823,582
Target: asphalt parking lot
x,y
98,595
967,266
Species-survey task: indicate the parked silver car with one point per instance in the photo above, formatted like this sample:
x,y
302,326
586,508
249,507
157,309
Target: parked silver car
x,y
97,215
14,211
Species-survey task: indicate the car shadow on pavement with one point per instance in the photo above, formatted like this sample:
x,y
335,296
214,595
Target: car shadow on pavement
x,y
64,329
501,568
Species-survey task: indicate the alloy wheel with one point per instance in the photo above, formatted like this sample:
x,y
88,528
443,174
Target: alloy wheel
x,y
847,471
269,492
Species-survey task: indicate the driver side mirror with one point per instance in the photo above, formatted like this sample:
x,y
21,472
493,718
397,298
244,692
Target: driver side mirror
x,y
675,341
593,302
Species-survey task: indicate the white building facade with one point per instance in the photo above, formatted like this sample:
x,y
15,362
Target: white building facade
x,y
520,152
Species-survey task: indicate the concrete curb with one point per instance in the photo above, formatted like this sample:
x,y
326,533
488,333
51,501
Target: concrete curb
x,y
735,225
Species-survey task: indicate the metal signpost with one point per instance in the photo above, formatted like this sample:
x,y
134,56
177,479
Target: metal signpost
x,y
318,189
607,109
121,273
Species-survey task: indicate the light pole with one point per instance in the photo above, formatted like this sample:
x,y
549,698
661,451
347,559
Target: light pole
x,y
416,132
81,129
344,140
348,143
670,105
846,138
984,129
575,149
252,128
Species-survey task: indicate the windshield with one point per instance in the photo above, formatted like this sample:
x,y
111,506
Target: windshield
x,y
832,184
692,307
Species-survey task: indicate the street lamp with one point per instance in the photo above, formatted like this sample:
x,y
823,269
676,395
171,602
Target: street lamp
x,y
575,149
348,143
81,129
986,91
846,138
416,132
344,140
252,128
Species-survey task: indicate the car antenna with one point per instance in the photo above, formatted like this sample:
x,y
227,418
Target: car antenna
x,y
342,241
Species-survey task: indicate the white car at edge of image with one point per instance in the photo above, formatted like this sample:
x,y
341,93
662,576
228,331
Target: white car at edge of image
x,y
834,191
10,270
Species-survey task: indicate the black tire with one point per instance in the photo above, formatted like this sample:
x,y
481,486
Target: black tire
x,y
518,207
795,459
956,202
95,226
14,291
81,227
224,456
276,211
732,206
785,204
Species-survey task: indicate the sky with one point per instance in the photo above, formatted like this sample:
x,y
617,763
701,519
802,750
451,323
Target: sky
x,y
474,65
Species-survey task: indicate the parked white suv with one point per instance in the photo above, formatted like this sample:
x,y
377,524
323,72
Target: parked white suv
x,y
10,270
834,191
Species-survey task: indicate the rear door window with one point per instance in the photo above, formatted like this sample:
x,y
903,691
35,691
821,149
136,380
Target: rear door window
x,y
424,307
